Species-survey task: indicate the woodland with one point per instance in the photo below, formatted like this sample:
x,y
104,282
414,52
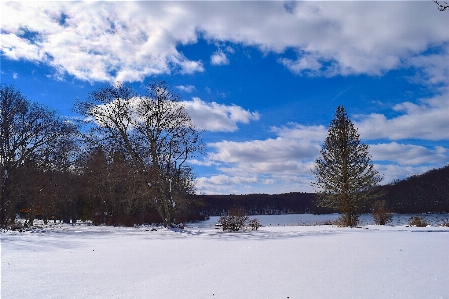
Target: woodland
x,y
54,170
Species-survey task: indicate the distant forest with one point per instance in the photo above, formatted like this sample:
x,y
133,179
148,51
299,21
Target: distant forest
x,y
428,192
70,200
127,170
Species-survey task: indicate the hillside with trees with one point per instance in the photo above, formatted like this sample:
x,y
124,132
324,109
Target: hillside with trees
x,y
428,192
259,204
425,193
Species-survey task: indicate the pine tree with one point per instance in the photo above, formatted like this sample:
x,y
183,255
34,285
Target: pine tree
x,y
345,176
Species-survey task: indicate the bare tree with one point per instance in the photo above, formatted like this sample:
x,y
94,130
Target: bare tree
x,y
381,213
27,130
155,133
442,6
345,175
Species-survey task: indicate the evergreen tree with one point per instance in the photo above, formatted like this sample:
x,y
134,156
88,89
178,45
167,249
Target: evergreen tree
x,y
345,175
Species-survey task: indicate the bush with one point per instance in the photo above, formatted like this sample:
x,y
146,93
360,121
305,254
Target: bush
x,y
344,219
237,220
16,226
381,214
417,221
232,223
254,224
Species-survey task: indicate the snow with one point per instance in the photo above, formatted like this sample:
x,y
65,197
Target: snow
x,y
278,261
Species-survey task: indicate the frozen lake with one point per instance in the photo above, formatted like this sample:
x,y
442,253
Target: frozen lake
x,y
310,219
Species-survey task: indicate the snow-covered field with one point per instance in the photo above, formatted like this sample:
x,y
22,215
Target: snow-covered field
x,y
278,261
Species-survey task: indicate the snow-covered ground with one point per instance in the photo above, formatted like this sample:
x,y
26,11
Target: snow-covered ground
x,y
278,261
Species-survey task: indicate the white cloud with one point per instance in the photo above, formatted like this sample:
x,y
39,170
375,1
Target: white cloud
x,y
222,184
291,153
394,172
427,120
219,58
273,165
106,41
408,154
341,37
269,150
307,63
225,184
128,41
100,41
433,68
187,88
288,158
223,180
216,117
16,48
301,132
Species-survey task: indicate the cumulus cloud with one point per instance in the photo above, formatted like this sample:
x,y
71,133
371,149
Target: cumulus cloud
x,y
307,63
216,117
219,58
301,132
223,179
108,41
187,88
290,153
100,41
222,184
427,120
270,150
280,164
215,184
393,172
433,68
128,41
408,154
332,37
290,156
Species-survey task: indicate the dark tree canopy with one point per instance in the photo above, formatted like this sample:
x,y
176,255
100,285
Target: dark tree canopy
x,y
30,134
345,175
155,134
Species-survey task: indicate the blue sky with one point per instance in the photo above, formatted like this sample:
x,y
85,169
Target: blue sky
x,y
262,78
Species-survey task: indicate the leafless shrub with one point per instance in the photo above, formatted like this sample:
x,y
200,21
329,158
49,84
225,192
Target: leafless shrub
x,y
417,221
343,220
316,223
326,222
232,223
381,214
254,224
235,220
15,226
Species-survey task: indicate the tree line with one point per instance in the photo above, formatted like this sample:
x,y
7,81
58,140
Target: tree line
x,y
424,193
124,163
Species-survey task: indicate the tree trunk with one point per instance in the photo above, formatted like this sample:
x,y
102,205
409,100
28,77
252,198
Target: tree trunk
x,y
73,212
31,216
5,200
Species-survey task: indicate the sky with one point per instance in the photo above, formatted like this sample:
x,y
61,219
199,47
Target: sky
x,y
263,79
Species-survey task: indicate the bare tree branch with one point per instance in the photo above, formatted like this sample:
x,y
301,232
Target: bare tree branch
x,y
442,6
